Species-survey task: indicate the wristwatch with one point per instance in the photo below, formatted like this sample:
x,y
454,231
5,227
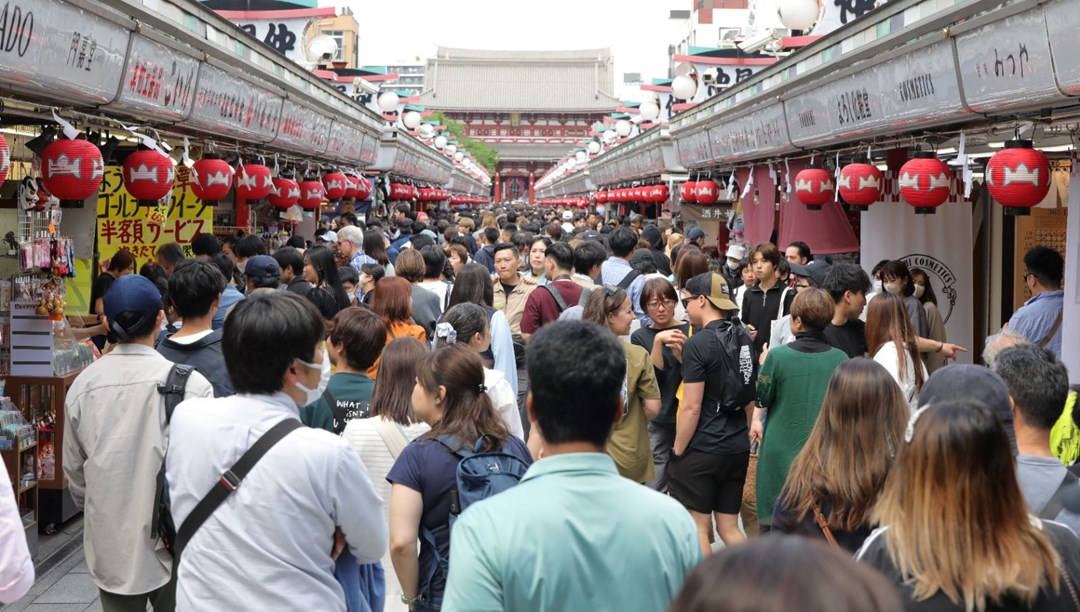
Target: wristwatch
x,y
410,601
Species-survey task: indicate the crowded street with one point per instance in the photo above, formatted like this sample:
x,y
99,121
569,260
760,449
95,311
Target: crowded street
x,y
676,306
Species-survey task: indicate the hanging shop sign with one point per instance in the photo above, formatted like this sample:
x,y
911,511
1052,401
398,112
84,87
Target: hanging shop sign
x,y
345,143
694,149
123,224
226,105
57,49
159,82
1007,63
302,129
917,88
1062,24
761,132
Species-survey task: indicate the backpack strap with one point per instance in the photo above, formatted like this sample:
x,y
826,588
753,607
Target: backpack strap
x,y
172,393
560,301
392,436
1057,501
229,482
629,279
1053,330
585,293
331,403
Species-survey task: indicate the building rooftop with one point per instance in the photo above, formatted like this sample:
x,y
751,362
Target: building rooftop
x,y
520,81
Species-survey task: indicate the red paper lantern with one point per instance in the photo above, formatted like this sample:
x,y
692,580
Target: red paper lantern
x,y
601,197
400,191
5,159
924,182
688,192
334,183
363,190
284,194
213,178
148,176
860,184
253,182
708,192
658,194
814,187
1018,177
71,170
351,186
312,194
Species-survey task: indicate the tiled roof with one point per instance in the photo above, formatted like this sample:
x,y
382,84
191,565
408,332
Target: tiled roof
x,y
468,79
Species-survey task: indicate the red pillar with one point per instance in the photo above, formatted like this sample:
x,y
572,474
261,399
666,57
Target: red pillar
x,y
243,211
498,189
532,192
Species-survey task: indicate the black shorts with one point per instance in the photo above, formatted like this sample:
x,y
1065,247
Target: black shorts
x,y
706,483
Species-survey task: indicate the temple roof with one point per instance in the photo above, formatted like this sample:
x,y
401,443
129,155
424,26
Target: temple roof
x,y
520,81
531,152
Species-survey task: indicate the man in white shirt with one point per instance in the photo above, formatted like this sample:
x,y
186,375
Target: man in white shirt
x,y
16,566
115,438
273,541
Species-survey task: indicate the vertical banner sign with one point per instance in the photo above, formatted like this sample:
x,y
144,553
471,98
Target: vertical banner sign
x,y
940,244
1070,326
123,224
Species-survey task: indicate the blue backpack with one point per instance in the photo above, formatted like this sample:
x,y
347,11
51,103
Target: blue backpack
x,y
479,476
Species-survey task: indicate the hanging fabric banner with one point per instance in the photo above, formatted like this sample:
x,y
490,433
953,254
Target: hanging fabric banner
x,y
759,206
940,244
826,231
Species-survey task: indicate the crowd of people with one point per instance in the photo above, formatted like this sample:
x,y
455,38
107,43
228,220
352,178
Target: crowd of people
x,y
543,410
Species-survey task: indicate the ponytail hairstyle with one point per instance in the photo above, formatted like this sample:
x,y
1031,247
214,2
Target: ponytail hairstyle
x,y
461,322
467,412
602,303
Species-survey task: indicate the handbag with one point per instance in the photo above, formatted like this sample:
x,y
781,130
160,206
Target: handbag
x,y
392,436
824,525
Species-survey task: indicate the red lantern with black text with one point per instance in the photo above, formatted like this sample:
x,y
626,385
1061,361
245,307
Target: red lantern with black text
x,y
213,178
860,184
814,187
253,182
688,192
148,176
72,171
5,159
312,194
363,189
708,192
284,194
1018,177
924,182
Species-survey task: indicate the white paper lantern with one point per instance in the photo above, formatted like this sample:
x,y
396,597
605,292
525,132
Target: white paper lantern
x,y
610,136
649,111
411,119
683,87
427,130
581,157
798,14
451,149
459,156
388,101
440,142
623,127
594,147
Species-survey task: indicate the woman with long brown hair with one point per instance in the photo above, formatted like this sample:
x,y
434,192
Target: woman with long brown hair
x,y
841,469
891,342
450,397
935,323
393,302
628,446
956,533
381,438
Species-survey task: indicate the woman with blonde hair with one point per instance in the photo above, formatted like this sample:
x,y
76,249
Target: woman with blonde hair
x,y
673,240
891,342
956,533
840,471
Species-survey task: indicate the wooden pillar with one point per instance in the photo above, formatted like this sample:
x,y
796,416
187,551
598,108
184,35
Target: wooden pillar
x,y
498,188
532,191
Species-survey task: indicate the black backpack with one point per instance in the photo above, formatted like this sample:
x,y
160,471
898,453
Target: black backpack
x,y
739,363
162,525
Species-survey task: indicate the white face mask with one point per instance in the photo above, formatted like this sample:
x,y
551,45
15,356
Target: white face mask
x,y
919,291
351,294
894,288
877,285
313,395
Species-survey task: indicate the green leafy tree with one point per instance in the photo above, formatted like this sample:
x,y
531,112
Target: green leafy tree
x,y
485,154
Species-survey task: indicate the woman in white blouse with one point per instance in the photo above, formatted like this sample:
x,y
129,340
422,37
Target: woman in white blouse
x,y
380,439
891,341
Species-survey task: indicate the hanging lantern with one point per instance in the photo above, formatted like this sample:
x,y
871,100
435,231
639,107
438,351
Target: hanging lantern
x,y
798,14
5,159
71,170
213,178
860,184
148,176
688,192
1018,177
334,183
684,87
253,182
352,184
284,194
399,191
414,193
814,187
363,189
708,192
601,197
312,194
924,182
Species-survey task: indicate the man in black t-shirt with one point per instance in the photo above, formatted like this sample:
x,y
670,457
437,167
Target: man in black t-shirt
x,y
711,452
848,285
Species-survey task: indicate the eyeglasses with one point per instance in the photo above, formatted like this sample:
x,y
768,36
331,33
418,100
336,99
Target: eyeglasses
x,y
1026,275
686,301
666,303
802,285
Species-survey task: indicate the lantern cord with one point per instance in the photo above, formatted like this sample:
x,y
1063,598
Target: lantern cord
x,y
69,130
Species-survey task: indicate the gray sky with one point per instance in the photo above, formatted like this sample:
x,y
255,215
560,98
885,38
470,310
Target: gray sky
x,y
401,31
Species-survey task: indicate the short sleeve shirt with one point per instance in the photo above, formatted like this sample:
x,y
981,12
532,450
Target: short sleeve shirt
x,y
629,443
429,468
669,378
849,337
719,431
